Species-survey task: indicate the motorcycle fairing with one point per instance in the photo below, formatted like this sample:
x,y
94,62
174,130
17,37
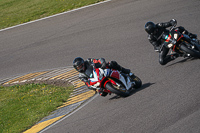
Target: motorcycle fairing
x,y
98,74
115,74
95,79
168,37
101,74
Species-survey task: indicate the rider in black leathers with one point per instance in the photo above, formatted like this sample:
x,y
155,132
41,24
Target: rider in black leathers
x,y
154,36
85,69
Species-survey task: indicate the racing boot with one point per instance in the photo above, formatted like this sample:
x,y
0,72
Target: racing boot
x,y
193,36
124,70
127,71
132,75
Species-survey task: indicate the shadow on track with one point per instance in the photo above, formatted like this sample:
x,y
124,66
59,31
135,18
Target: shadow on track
x,y
144,86
184,60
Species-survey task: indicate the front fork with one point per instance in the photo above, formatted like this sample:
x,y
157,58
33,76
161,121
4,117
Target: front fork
x,y
127,83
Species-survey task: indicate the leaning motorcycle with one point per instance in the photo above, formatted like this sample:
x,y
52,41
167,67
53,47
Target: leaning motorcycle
x,y
180,43
113,81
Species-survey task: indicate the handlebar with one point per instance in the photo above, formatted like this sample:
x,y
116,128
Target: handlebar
x,y
172,27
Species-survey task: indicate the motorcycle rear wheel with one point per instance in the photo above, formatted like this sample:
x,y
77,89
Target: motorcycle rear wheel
x,y
121,91
192,52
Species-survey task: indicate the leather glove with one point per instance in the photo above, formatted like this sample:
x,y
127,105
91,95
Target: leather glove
x,y
173,22
92,88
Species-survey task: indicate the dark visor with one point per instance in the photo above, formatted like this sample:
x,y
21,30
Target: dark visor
x,y
79,67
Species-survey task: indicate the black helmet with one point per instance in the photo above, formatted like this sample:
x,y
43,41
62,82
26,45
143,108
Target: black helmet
x,y
150,27
78,64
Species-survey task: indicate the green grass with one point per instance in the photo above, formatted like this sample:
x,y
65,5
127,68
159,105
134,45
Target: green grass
x,y
21,106
13,12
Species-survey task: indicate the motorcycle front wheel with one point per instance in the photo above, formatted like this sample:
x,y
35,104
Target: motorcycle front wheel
x,y
191,51
121,91
138,82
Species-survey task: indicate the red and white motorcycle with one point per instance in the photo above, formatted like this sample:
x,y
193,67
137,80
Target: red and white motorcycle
x,y
112,81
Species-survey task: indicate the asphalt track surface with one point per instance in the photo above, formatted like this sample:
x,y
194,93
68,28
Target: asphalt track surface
x,y
169,100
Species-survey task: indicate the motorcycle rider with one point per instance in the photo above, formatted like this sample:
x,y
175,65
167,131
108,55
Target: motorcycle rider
x,y
85,69
154,36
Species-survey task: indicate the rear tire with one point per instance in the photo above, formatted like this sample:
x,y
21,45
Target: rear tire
x,y
115,89
192,52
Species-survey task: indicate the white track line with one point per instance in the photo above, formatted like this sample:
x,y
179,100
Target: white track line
x,y
55,15
51,17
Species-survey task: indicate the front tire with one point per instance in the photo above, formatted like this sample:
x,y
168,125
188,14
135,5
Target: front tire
x,y
138,82
121,91
192,52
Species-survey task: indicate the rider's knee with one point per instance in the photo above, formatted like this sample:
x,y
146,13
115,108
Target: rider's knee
x,y
103,94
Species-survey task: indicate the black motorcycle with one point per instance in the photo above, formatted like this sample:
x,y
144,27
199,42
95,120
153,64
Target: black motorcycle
x,y
180,43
